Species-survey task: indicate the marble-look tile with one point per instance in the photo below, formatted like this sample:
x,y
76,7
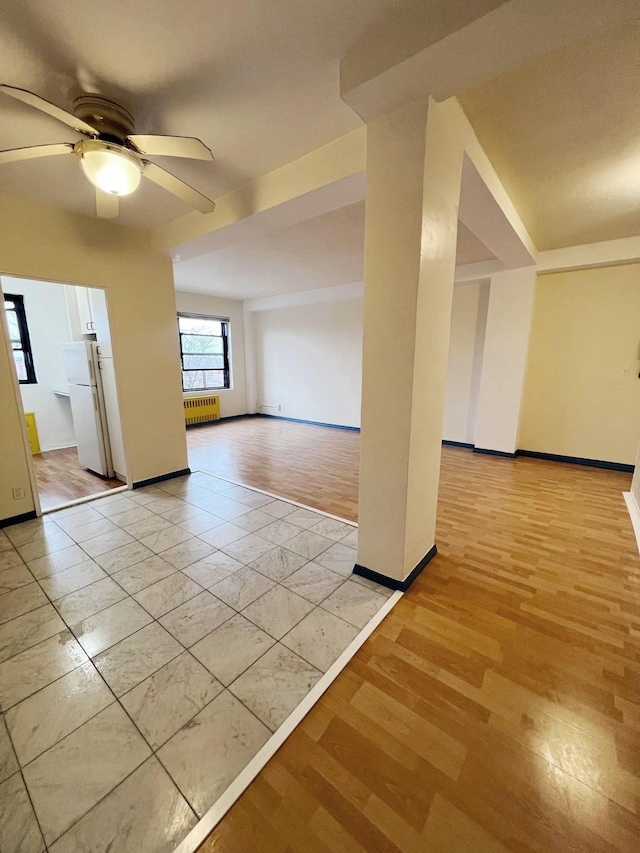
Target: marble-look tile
x,y
201,523
208,481
62,583
275,684
91,529
224,534
339,558
106,542
279,509
29,531
143,574
8,761
9,559
235,492
50,542
50,564
95,758
320,638
332,529
253,520
147,527
5,542
242,587
114,504
15,577
168,699
278,563
171,592
181,513
29,630
22,600
249,548
227,509
376,587
145,812
309,544
40,721
147,495
37,666
351,539
277,611
231,648
74,516
303,518
354,603
279,531
121,558
224,729
90,599
186,553
19,831
135,658
131,516
196,618
255,500
212,569
167,538
313,582
109,626
165,503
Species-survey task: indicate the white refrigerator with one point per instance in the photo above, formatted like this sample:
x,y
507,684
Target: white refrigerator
x,y
88,408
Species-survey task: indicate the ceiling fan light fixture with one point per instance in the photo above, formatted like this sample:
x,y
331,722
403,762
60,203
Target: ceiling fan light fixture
x,y
110,168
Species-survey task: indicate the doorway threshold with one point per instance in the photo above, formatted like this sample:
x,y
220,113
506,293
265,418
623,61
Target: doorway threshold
x,y
85,499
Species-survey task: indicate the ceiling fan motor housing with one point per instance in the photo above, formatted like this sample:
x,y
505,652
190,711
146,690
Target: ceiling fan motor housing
x,y
111,120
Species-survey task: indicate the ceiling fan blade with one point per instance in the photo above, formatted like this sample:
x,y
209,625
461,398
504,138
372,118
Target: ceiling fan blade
x,y
49,108
174,185
107,205
170,146
13,155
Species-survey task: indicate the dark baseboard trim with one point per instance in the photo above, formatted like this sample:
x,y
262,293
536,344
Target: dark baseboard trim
x,y
16,519
495,452
311,423
391,583
160,479
578,460
221,420
464,444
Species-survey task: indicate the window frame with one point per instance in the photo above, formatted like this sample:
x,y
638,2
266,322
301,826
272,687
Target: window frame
x,y
25,340
226,368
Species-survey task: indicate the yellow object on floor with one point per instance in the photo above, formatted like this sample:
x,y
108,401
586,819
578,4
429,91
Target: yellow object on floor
x,y
201,410
32,432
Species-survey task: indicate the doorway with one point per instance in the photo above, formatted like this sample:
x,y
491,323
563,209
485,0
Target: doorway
x,y
63,362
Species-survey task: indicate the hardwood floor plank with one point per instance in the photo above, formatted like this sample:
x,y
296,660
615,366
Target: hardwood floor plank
x,y
497,707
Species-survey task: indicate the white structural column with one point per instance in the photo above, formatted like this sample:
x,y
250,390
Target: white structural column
x,y
414,163
505,359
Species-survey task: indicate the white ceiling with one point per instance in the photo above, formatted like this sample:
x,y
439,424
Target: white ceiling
x,y
324,251
256,81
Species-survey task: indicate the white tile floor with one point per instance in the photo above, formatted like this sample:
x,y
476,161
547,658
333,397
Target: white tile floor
x,y
150,644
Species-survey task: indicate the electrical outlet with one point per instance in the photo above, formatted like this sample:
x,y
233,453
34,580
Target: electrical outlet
x,y
18,493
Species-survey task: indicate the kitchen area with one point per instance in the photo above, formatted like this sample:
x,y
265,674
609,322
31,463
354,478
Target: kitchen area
x,y
62,352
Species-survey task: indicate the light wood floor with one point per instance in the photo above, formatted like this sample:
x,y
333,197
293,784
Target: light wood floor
x,y
497,708
61,479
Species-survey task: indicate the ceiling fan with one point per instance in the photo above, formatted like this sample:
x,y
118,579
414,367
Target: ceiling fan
x,y
113,157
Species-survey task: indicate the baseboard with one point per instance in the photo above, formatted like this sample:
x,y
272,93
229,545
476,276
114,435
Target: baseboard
x,y
578,460
392,583
16,519
489,452
221,420
161,478
311,423
464,444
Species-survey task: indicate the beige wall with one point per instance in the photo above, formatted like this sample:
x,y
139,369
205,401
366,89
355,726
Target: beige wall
x,y
233,401
40,243
582,392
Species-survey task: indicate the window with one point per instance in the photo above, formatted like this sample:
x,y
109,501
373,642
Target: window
x,y
204,351
19,337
